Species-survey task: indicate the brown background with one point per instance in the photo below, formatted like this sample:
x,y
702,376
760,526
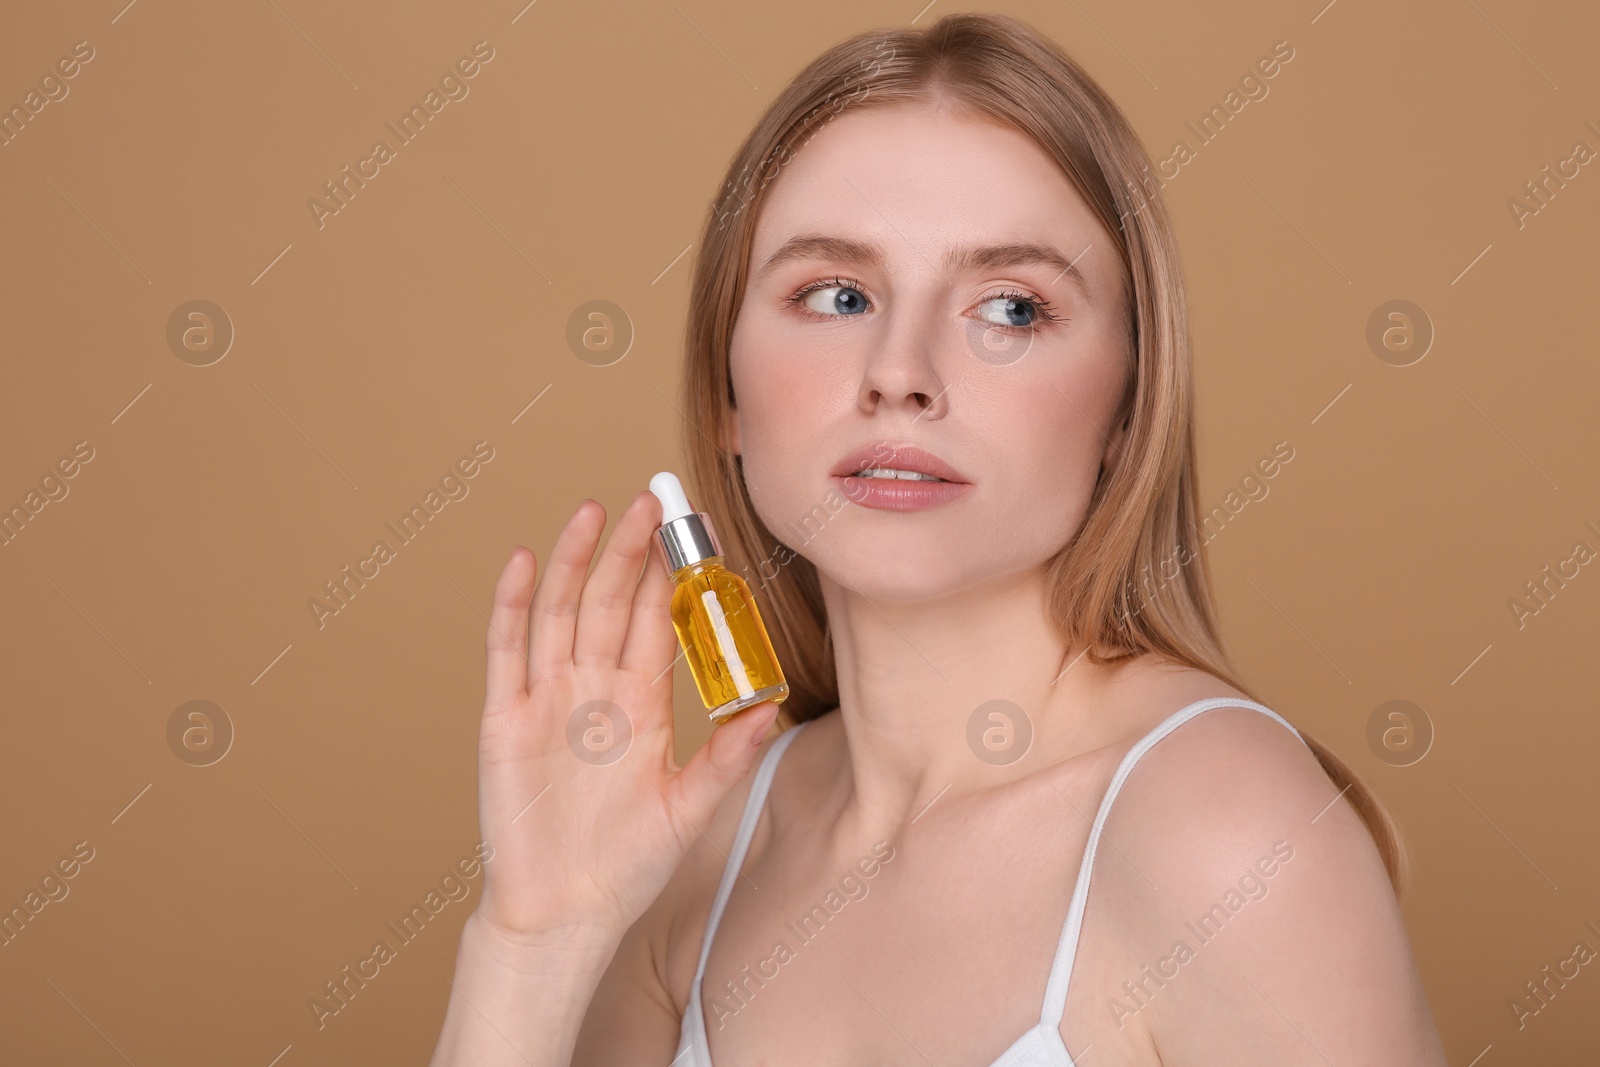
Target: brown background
x,y
370,354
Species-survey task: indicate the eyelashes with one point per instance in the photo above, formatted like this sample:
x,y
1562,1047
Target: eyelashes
x,y
797,299
1045,313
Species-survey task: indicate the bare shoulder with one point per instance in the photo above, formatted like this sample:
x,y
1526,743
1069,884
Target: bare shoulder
x,y
1256,875
1227,770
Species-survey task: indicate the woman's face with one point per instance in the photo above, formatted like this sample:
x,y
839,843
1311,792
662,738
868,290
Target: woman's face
x,y
1004,365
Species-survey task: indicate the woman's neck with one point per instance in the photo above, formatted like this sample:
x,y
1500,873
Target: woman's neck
x,y
954,696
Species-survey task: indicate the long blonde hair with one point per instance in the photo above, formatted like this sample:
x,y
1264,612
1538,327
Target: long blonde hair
x,y
1144,511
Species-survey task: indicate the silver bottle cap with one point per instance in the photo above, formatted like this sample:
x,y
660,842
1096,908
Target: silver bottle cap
x,y
688,539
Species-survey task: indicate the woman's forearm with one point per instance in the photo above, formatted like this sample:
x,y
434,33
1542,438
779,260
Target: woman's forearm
x,y
519,1002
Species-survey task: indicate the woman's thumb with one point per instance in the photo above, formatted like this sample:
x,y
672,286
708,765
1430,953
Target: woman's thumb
x,y
722,762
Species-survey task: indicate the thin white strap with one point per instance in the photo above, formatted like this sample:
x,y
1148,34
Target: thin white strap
x,y
1055,993
741,841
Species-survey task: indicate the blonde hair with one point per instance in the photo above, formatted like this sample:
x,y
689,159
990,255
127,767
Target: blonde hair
x,y
1144,510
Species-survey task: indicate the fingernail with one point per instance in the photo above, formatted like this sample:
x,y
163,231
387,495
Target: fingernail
x,y
761,731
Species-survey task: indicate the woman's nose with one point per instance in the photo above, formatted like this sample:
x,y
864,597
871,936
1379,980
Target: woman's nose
x,y
901,374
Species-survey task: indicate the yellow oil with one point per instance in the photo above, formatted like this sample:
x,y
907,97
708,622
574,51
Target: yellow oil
x,y
720,630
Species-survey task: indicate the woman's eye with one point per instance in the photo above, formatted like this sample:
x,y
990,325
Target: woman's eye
x,y
835,300
1009,310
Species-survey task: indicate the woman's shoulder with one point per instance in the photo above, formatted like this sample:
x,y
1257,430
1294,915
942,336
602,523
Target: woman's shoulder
x,y
1229,830
1223,788
1223,777
1227,731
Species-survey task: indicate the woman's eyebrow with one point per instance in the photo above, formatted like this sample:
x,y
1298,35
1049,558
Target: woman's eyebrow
x,y
822,246
965,257
1017,254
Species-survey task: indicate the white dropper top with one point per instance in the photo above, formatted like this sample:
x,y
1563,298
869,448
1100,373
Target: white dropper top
x,y
686,535
674,501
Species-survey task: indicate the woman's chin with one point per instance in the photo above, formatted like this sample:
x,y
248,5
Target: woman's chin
x,y
904,576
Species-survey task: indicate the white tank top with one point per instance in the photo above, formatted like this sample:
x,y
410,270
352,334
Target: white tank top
x,y
1038,1046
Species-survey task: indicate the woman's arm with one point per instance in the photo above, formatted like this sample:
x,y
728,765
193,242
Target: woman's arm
x,y
519,1001
563,989
1293,949
584,808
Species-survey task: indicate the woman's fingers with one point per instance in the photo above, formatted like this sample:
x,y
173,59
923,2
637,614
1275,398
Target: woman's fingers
x,y
507,642
555,602
652,643
608,595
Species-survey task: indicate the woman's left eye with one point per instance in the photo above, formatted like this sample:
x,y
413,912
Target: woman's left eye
x,y
1009,307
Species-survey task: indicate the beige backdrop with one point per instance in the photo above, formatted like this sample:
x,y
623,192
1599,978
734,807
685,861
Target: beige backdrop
x,y
373,347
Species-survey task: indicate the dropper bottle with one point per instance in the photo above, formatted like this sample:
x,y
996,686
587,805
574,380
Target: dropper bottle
x,y
713,611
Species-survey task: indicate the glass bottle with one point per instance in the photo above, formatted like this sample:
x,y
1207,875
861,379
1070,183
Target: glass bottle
x,y
714,612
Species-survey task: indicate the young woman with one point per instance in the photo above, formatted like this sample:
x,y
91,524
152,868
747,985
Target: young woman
x,y
1023,812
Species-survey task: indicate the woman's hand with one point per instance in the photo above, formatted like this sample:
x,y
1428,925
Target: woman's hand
x,y
579,793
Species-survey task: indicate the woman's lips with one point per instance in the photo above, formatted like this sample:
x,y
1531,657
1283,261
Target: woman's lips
x,y
898,494
884,454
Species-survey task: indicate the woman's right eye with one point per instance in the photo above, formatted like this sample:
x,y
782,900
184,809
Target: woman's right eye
x,y
834,300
